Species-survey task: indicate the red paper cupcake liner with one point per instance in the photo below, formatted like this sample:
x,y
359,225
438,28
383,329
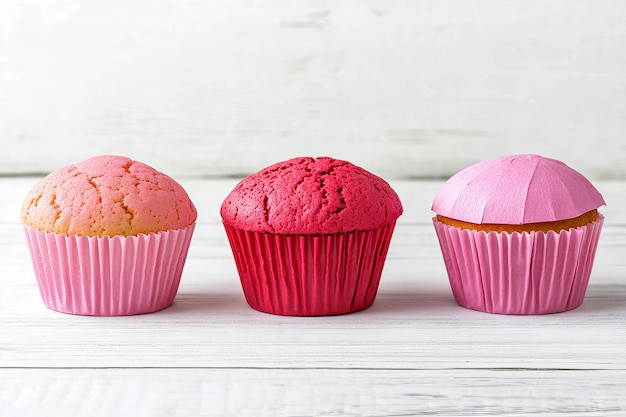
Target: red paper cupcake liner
x,y
519,273
108,276
310,275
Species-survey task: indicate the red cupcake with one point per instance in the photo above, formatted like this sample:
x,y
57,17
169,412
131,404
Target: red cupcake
x,y
310,236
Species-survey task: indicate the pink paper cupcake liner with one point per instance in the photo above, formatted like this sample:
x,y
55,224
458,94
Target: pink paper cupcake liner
x,y
310,275
108,276
519,273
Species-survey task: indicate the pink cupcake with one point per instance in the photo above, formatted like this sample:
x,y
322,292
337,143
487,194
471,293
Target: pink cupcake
x,y
108,236
310,236
518,234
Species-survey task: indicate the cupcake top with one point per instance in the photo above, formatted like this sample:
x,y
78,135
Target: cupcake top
x,y
517,189
105,196
309,196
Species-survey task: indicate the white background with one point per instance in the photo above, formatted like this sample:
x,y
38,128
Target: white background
x,y
403,88
207,91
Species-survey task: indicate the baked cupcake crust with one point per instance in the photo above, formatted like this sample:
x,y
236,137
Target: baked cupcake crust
x,y
107,195
311,196
545,227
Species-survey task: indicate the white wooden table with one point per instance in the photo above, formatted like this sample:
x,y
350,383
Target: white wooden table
x,y
414,352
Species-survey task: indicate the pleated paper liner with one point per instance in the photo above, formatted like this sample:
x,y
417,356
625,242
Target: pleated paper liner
x,y
108,276
310,275
519,273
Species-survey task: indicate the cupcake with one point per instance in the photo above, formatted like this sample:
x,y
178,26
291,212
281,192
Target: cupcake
x,y
518,234
310,236
108,236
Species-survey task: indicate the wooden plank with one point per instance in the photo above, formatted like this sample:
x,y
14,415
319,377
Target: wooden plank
x,y
406,89
416,329
414,323
286,392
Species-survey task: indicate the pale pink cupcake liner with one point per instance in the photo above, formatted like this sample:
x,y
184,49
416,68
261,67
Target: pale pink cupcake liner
x,y
519,273
310,275
108,276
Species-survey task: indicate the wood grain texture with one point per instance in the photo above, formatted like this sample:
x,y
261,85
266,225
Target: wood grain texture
x,y
405,89
414,323
413,353
285,392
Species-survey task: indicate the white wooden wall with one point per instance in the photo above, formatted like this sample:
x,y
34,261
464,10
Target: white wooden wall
x,y
403,88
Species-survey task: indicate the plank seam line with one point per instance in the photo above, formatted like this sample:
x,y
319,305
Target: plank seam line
x,y
495,369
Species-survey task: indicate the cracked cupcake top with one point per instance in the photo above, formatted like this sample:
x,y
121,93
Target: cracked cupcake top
x,y
106,196
309,196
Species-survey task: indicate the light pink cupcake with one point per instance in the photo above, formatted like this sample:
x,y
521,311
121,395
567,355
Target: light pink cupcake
x,y
310,236
108,236
518,234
